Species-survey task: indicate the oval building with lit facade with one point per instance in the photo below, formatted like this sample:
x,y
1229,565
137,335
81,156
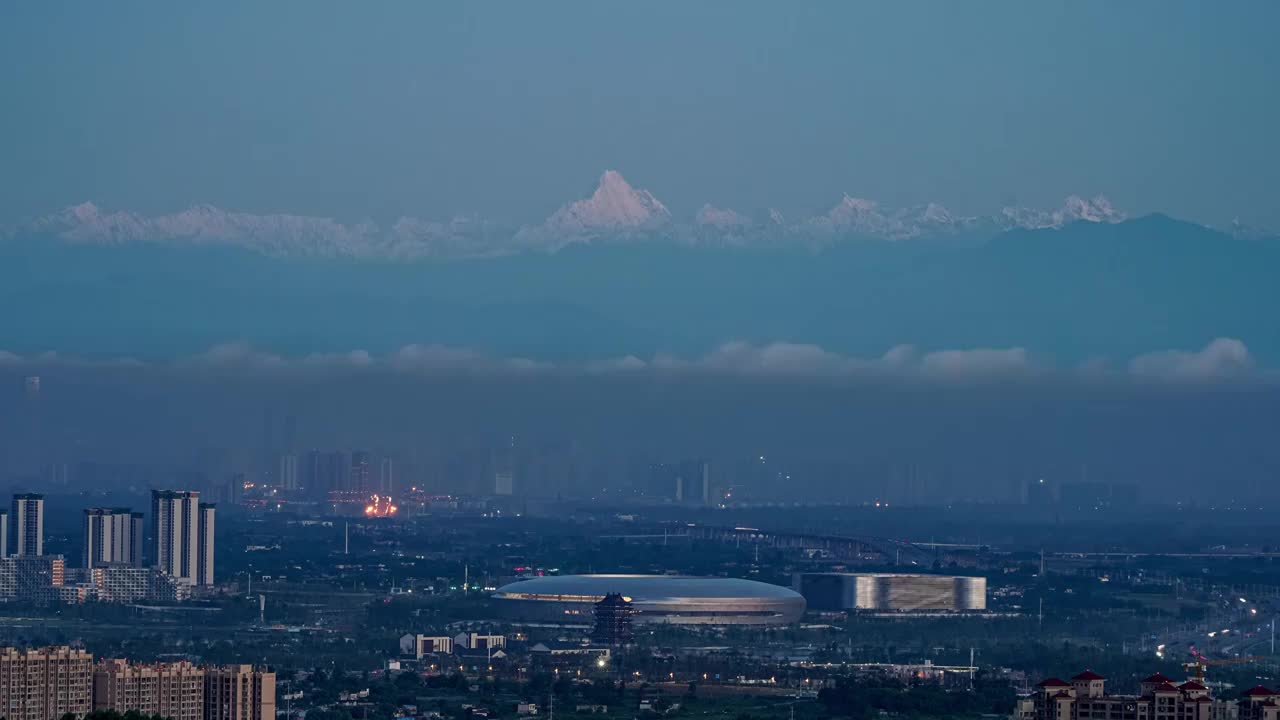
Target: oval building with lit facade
x,y
571,599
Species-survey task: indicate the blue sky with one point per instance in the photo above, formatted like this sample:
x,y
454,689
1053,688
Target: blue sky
x,y
507,110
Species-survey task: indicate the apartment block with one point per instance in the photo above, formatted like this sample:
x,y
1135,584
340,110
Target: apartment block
x,y
45,683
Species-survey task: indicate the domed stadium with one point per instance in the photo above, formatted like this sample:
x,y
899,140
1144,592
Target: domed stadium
x,y
571,599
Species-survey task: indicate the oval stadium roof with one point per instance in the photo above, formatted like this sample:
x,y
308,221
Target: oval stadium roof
x,y
648,588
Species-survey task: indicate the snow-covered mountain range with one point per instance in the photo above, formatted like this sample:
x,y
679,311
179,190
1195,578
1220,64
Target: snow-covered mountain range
x,y
614,211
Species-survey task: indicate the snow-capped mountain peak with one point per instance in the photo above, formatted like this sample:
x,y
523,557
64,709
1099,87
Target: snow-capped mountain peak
x,y
859,216
1099,209
615,210
1075,208
84,212
614,204
722,218
935,213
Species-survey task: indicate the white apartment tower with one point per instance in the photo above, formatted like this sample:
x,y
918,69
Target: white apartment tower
x,y
387,477
289,472
111,536
28,524
182,536
204,565
137,529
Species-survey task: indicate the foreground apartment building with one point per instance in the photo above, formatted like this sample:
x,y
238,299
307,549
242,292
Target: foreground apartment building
x,y
239,692
1085,697
44,683
47,683
171,690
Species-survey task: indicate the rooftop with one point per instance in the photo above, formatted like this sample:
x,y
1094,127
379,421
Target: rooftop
x,y
647,587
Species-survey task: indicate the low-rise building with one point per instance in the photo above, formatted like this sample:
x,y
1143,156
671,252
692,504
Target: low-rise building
x,y
558,653
897,592
479,641
422,645
1085,697
1260,703
32,577
122,583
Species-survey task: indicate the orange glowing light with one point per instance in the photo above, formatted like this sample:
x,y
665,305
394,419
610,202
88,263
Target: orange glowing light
x,y
380,506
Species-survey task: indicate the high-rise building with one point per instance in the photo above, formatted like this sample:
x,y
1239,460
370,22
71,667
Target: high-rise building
x,y
137,527
109,537
4,533
289,472
233,489
174,515
170,690
97,533
1040,492
693,482
288,433
387,477
358,479
59,474
45,683
204,568
503,483
28,524
324,472
239,692
182,536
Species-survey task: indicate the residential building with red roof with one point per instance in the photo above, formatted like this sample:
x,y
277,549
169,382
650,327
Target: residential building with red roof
x,y
1085,697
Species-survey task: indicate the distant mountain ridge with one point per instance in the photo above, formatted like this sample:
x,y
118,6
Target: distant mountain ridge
x,y
1084,291
614,212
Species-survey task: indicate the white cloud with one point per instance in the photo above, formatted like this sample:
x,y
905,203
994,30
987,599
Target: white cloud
x,y
355,359
235,355
627,363
1223,358
976,363
443,358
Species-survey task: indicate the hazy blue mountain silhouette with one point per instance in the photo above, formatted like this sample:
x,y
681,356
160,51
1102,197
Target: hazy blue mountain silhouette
x,y
1085,290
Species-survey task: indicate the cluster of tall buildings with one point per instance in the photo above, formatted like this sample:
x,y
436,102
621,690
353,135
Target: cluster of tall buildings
x,y
116,564
1082,495
45,683
684,483
319,473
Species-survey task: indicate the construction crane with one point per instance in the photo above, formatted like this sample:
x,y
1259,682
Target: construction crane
x,y
1201,662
